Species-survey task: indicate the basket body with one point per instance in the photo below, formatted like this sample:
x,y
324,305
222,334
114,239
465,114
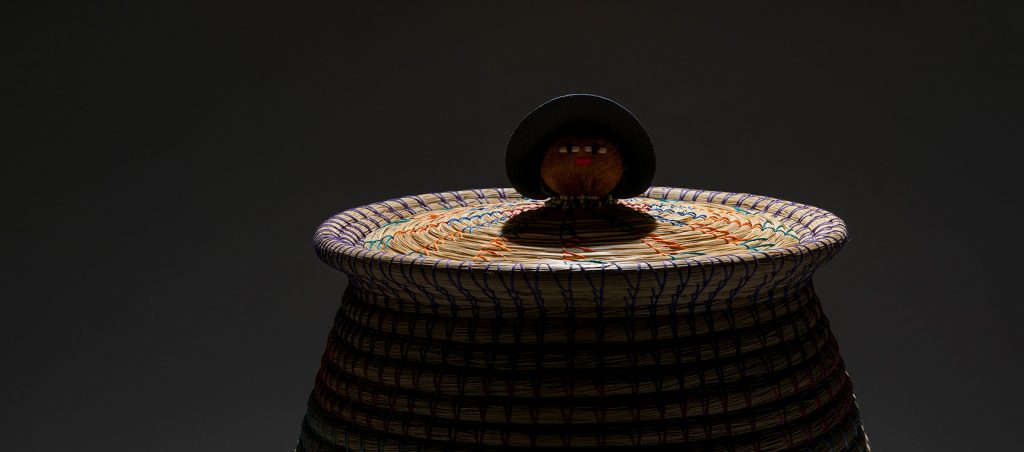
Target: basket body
x,y
728,353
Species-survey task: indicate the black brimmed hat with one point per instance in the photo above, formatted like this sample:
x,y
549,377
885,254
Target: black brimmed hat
x,y
574,112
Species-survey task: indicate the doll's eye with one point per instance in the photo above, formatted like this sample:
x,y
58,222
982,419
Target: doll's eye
x,y
575,148
563,150
602,151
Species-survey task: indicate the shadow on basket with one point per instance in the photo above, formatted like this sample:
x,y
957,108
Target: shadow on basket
x,y
551,227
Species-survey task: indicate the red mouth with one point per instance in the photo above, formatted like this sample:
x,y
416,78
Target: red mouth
x,y
584,160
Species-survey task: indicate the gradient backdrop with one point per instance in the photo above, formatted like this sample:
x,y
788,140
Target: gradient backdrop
x,y
165,166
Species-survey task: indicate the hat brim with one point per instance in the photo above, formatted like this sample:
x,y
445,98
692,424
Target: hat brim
x,y
528,143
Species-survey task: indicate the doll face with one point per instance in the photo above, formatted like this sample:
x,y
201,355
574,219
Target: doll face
x,y
581,165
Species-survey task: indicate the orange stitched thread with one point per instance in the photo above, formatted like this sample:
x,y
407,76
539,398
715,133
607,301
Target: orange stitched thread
x,y
574,244
498,242
729,238
651,246
437,243
522,209
459,220
421,228
671,244
447,212
484,258
734,221
572,256
451,235
636,205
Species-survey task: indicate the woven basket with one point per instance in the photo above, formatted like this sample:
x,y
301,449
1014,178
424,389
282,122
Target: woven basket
x,y
480,320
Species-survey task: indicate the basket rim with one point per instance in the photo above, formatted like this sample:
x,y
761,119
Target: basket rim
x,y
338,239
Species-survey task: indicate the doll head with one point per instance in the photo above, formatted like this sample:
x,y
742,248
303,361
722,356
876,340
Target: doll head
x,y
578,164
579,150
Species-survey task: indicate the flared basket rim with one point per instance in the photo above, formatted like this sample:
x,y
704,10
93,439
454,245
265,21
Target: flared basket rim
x,y
338,240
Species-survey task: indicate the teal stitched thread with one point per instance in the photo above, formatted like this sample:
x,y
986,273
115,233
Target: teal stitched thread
x,y
669,220
756,247
478,226
470,228
569,261
471,217
510,204
492,212
697,253
765,227
738,209
680,213
382,243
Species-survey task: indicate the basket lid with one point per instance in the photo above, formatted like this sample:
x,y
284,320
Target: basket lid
x,y
493,244
640,229
664,226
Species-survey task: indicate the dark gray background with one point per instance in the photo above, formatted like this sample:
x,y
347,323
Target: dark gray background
x,y
165,166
